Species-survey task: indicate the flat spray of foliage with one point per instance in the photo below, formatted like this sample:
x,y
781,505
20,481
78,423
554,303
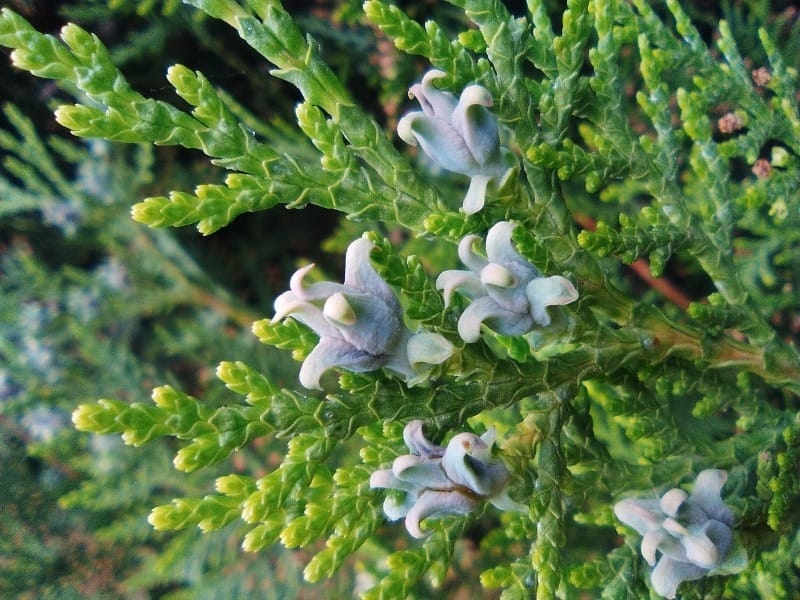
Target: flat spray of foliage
x,y
638,145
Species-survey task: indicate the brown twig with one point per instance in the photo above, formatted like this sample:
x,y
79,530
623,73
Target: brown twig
x,y
641,267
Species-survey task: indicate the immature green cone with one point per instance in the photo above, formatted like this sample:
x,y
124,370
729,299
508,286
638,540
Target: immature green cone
x,y
360,324
440,481
459,136
693,534
508,293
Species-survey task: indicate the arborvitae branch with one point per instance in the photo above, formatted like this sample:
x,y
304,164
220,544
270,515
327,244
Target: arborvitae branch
x,y
430,42
595,394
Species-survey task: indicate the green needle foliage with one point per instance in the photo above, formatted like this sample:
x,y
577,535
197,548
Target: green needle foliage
x,y
651,156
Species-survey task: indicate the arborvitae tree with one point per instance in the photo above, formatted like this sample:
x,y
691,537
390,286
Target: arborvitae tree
x,y
574,296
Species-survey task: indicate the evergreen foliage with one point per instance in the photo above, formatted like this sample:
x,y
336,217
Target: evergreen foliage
x,y
649,155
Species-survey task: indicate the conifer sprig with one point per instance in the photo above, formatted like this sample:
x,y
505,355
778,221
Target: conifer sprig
x,y
572,386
